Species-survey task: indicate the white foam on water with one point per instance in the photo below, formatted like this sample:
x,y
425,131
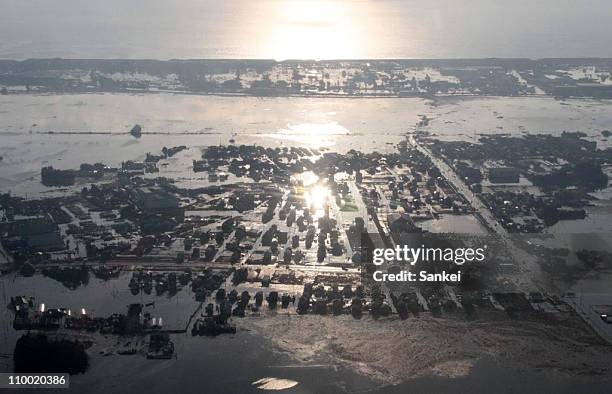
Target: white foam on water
x,y
274,384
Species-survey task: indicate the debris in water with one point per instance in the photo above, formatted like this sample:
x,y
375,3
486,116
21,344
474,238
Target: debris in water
x,y
136,131
274,384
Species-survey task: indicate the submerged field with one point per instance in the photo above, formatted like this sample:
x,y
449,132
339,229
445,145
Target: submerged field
x,y
67,130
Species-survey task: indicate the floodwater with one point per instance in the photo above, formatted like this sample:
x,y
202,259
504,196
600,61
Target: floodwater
x,y
489,373
304,29
67,130
227,362
42,130
456,224
241,363
468,118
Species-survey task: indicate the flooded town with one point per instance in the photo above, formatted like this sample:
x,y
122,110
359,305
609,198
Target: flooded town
x,y
152,250
325,196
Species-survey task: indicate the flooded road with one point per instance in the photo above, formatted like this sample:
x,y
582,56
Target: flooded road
x,y
530,272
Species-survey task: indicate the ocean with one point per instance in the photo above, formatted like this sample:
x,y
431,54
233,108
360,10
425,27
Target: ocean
x,y
305,29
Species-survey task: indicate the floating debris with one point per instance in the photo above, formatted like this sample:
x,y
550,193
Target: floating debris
x,y
136,131
274,384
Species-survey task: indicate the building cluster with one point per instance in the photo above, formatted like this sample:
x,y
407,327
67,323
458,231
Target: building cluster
x,y
391,78
530,182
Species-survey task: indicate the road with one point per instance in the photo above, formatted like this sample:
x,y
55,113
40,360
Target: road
x,y
530,272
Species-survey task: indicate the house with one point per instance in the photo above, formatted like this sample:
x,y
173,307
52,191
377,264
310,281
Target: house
x,y
38,234
152,199
503,175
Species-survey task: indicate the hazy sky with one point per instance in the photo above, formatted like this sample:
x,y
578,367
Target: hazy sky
x,y
304,28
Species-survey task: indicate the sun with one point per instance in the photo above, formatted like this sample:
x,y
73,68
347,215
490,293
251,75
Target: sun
x,y
313,29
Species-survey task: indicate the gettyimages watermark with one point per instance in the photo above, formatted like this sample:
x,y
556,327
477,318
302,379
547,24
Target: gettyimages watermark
x,y
410,256
419,258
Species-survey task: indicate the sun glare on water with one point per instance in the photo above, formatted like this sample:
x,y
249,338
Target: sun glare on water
x,y
317,197
313,29
314,135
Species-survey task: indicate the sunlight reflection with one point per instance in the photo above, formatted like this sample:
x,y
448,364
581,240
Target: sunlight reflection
x,y
312,134
317,129
314,29
317,199
315,192
307,179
